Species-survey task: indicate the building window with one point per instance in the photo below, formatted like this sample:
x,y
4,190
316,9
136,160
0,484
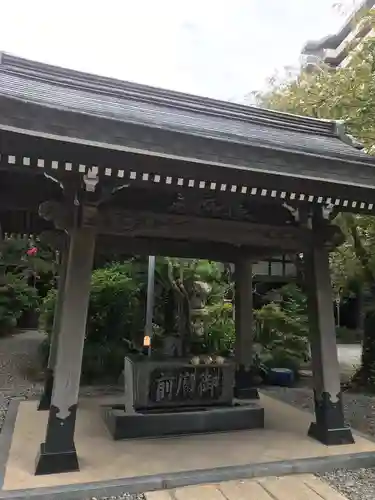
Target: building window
x,y
277,268
261,268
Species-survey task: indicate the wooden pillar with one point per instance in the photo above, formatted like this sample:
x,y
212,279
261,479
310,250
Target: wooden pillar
x,y
329,427
244,388
45,400
2,270
58,453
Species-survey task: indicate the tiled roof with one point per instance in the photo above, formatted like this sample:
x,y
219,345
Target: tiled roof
x,y
125,102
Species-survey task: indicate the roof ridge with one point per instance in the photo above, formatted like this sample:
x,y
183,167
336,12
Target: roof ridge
x,y
78,80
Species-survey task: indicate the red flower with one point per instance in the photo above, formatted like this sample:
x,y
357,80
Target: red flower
x,y
32,252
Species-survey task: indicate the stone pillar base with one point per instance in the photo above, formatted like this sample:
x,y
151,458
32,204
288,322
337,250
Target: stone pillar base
x,y
56,463
244,388
45,400
331,437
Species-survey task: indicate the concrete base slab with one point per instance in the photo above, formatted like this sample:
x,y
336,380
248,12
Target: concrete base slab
x,y
240,416
110,467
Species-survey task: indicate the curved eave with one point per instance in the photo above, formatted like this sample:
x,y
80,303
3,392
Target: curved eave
x,y
140,153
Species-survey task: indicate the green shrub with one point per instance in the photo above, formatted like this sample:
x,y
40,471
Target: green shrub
x,y
220,328
115,321
281,331
16,297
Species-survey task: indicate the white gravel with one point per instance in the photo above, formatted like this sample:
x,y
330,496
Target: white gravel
x,y
360,414
355,485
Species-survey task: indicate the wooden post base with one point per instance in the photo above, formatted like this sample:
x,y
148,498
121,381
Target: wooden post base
x,y
56,463
246,393
329,427
331,437
244,388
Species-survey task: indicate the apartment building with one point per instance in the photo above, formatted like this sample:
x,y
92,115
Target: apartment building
x,y
334,50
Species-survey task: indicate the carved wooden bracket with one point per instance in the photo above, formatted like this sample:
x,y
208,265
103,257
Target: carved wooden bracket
x,y
60,214
66,216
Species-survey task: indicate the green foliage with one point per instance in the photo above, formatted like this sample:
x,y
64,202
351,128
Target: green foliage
x,y
16,297
117,313
115,320
220,328
19,270
115,310
282,330
184,290
346,94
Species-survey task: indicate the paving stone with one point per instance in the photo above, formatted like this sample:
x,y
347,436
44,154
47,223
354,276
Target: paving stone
x,y
244,490
299,487
158,495
204,492
289,487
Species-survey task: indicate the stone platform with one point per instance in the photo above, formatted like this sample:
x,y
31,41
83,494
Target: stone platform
x,y
110,467
239,416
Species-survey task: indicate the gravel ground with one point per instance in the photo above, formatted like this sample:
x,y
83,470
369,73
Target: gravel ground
x,y
360,414
18,354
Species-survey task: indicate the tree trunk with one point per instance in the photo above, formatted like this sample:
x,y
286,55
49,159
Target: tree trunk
x,y
365,375
361,313
170,313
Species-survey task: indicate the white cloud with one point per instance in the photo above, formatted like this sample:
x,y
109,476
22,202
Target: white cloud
x,y
216,48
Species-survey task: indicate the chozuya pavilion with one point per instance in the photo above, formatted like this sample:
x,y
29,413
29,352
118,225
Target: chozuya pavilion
x,y
104,164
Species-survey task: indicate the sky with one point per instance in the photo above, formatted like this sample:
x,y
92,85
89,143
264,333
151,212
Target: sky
x,y
216,48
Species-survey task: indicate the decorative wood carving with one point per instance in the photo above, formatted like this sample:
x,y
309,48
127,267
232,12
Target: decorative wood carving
x,y
147,224
136,224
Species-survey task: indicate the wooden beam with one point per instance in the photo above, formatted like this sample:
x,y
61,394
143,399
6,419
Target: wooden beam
x,y
121,246
182,227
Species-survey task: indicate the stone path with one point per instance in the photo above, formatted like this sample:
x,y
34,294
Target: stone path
x,y
301,487
349,355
